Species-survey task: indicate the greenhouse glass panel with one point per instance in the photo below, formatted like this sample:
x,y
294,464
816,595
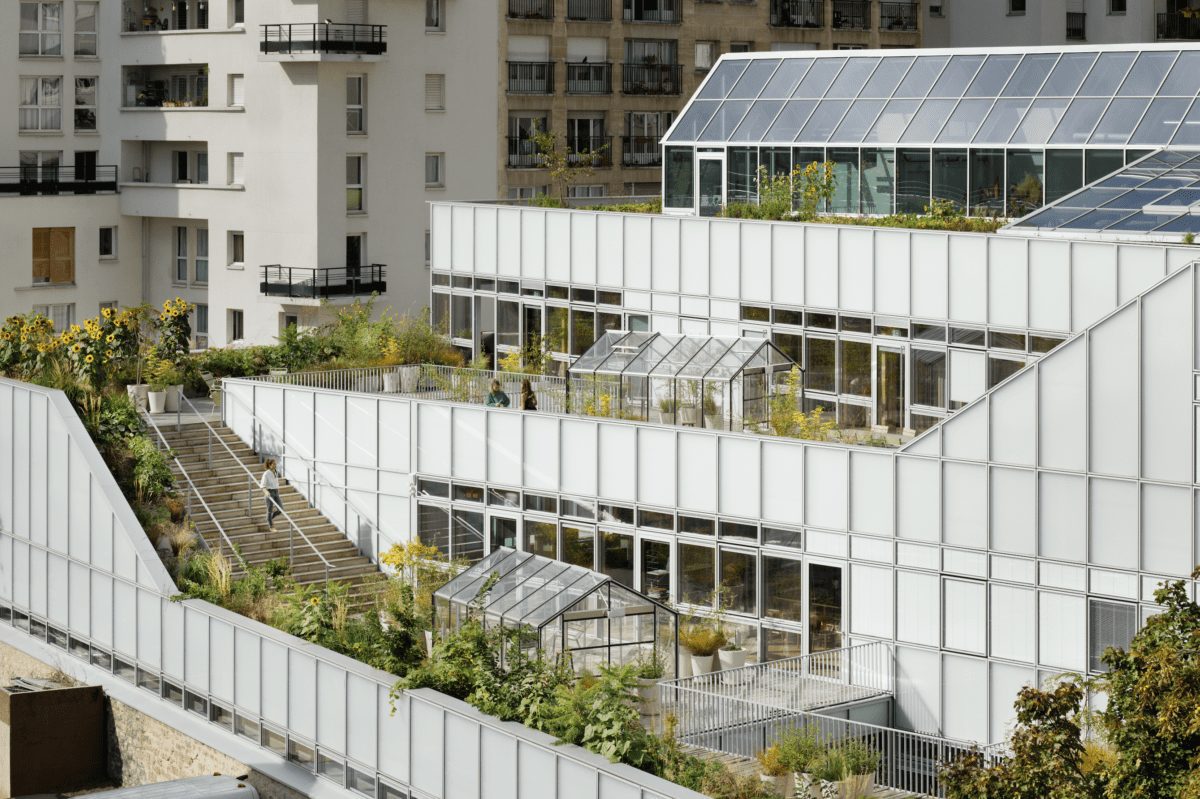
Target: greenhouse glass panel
x,y
950,176
844,199
1040,121
698,115
858,121
1096,220
817,81
1184,78
878,180
824,120
1025,181
999,124
1119,120
1139,222
741,169
722,79
966,119
790,122
1147,74
956,76
1189,129
1186,223
786,78
1161,119
1068,74
921,77
754,78
892,121
1136,199
851,79
912,181
1079,120
757,120
1064,173
1107,74
992,76
886,78
725,120
928,121
1030,76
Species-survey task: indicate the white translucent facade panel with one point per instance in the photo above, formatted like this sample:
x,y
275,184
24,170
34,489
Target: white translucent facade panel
x,y
825,487
1113,523
1167,537
968,375
656,467
1062,516
918,606
918,689
504,450
469,444
871,493
782,471
498,759
964,615
918,482
577,446
1062,391
968,437
462,767
871,601
1007,680
1113,356
1062,630
1012,622
964,508
427,749
964,705
617,477
697,490
1014,510
1166,380
433,424
740,480
540,464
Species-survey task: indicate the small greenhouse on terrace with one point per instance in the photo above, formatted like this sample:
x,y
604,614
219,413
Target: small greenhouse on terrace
x,y
560,611
697,381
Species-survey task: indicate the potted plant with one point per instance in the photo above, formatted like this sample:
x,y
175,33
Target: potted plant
x,y
157,395
774,772
666,411
799,751
732,655
650,669
703,639
170,376
860,764
829,771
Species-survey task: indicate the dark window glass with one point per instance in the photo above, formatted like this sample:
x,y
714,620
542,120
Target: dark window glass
x,y
678,191
578,508
541,538
504,498
782,644
950,177
821,364
616,513
739,579
433,488
1064,173
755,313
541,503
780,537
616,556
608,297
929,378
468,493
1043,343
792,346
532,291
1111,624
1000,369
656,519
696,525
740,530
508,287
1006,341
656,569
922,332
825,321
440,279
824,607
433,527
468,535
460,282
893,332
557,292
697,576
783,316
921,423
579,546
856,368
854,415
912,181
484,284
966,335
855,324
782,595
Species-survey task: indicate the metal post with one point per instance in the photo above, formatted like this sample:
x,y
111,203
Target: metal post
x,y
249,496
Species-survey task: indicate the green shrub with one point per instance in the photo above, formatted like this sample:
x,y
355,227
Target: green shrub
x,y
152,478
800,748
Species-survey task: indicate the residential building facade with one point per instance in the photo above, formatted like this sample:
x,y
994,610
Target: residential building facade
x,y
1000,23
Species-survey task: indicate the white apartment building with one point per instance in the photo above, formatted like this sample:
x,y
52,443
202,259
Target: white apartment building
x,y
200,141
999,23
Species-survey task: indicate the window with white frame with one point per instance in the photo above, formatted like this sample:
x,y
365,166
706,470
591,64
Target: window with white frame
x,y
201,327
40,31
741,47
237,12
237,91
109,304
202,167
237,324
41,104
595,190
237,169
434,21
435,170
1110,624
85,103
356,103
237,248
181,255
705,54
525,192
202,255
38,165
435,92
355,183
61,315
108,242
85,28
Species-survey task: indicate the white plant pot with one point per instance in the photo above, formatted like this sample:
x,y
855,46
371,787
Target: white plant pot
x,y
732,658
647,689
137,394
391,383
157,401
662,417
173,394
701,664
428,643
689,416
409,376
685,662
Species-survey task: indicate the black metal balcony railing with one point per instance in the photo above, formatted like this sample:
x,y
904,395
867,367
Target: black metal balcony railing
x,y
585,78
531,77
651,78
589,150
852,15
1076,26
898,16
651,10
640,151
324,37
523,153
589,10
33,180
1177,26
315,284
531,9
798,13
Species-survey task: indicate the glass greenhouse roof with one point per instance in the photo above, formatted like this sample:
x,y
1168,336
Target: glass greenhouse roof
x,y
1158,194
1137,96
642,354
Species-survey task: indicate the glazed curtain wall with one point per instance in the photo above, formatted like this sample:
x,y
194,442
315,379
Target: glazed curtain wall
x,y
81,588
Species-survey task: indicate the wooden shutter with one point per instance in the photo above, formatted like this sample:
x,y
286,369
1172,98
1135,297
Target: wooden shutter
x,y
41,255
356,12
62,255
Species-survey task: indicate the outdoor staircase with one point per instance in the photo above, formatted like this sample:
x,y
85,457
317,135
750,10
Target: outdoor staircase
x,y
222,482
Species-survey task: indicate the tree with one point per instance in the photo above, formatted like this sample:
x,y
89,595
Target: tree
x,y
562,167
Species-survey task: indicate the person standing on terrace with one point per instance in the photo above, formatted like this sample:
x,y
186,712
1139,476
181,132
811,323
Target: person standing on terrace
x,y
269,483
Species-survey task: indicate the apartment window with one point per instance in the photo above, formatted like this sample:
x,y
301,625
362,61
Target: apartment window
x,y
428,246
85,28
181,255
41,104
1110,624
202,167
201,331
435,166
41,29
237,91
1116,6
53,255
85,164
237,169
237,248
37,165
180,166
1016,6
525,192
936,10
435,92
85,103
237,324
110,304
237,12
202,255
705,54
61,316
596,190
741,47
356,104
355,202
108,242
434,21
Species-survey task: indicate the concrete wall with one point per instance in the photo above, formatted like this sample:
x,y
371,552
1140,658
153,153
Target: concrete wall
x,y
988,23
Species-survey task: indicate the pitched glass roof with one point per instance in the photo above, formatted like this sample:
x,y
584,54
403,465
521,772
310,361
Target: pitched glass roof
x,y
641,354
1158,194
1143,96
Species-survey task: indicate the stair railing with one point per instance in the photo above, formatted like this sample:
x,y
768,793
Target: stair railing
x,y
162,444
251,485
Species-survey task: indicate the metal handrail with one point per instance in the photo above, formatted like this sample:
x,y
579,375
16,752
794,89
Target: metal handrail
x,y
251,484
192,489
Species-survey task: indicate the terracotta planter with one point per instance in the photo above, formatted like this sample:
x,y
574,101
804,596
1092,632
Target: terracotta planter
x,y
701,664
157,401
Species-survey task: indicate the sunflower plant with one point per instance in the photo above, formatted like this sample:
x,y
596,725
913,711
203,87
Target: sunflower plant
x,y
174,331
27,344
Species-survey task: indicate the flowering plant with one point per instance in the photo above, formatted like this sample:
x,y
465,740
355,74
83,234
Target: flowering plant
x,y
94,346
174,330
26,344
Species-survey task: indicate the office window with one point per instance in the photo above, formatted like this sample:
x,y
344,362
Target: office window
x,y
61,316
41,104
237,12
237,324
202,255
706,53
356,104
108,242
237,169
181,255
1110,624
237,91
85,28
85,103
434,21
40,31
355,202
1116,6
435,165
53,255
435,92
1016,6
237,248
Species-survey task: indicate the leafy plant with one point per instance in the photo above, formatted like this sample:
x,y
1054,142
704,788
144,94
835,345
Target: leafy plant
x,y
771,762
788,420
859,758
564,168
800,748
701,638
174,331
151,474
650,665
830,767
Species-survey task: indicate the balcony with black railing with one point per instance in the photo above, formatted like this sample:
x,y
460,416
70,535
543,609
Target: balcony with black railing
x,y
639,151
49,180
589,150
531,77
1177,26
667,11
1076,26
651,78
323,39
854,15
798,13
898,16
588,78
531,9
523,153
322,283
589,10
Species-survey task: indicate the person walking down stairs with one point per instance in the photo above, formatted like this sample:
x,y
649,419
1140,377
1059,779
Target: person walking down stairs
x,y
269,483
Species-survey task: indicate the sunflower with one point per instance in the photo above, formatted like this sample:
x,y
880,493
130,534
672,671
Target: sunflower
x,y
89,358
